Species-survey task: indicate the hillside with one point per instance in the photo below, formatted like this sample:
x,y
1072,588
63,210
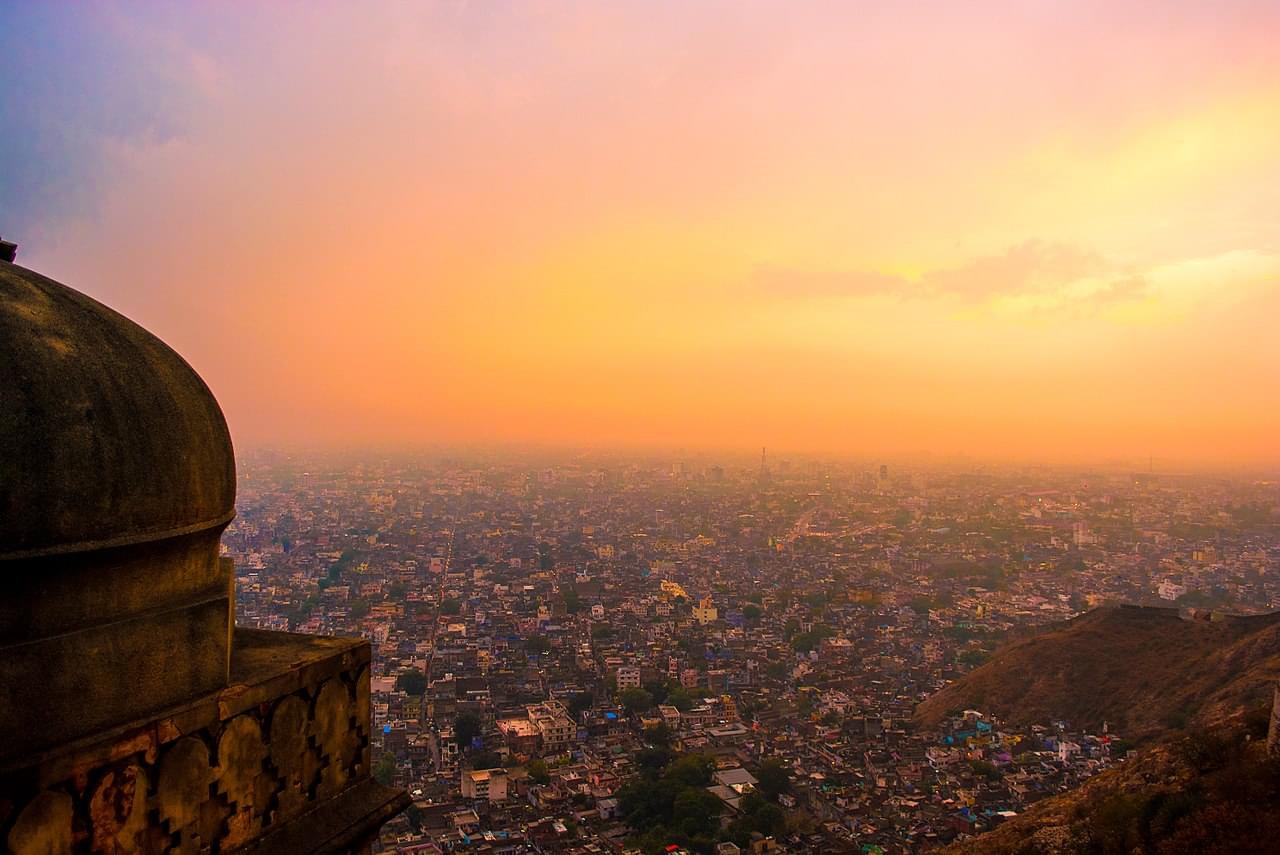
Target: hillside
x,y
1146,671
1213,792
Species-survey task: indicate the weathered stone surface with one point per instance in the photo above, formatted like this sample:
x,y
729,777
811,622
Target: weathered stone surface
x,y
364,713
117,478
185,774
43,827
101,675
117,810
340,826
135,718
334,734
241,753
110,438
293,758
289,733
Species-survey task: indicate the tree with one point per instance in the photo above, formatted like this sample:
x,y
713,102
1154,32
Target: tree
x,y
806,641
358,608
466,727
636,700
572,602
772,780
757,815
538,772
659,735
692,770
672,804
486,760
768,819
751,612
412,682
654,759
680,699
658,691
385,769
580,703
695,812
537,644
450,607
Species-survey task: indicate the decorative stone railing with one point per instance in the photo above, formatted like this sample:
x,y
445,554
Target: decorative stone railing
x,y
276,762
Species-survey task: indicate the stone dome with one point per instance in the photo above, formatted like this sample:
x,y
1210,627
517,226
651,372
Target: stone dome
x,y
107,437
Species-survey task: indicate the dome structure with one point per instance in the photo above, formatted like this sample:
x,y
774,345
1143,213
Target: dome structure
x,y
117,479
109,438
136,716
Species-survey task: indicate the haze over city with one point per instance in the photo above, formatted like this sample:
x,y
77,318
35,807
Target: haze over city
x,y
1040,231
644,427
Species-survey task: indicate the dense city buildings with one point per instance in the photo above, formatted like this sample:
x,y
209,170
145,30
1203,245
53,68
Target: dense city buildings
x,y
555,641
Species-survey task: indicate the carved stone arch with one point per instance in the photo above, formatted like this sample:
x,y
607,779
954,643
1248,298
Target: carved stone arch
x,y
333,734
118,810
364,722
240,774
292,755
183,783
44,826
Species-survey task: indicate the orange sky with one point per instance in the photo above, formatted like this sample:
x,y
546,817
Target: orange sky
x,y
1035,230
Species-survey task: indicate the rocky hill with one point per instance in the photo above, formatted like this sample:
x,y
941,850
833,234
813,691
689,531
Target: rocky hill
x,y
1211,792
1146,671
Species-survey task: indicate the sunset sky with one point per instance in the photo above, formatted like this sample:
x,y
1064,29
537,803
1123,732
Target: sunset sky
x,y
1038,230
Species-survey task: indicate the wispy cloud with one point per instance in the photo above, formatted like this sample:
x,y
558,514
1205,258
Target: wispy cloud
x,y
1034,268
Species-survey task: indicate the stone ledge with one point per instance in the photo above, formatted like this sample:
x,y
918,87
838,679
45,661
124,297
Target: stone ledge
x,y
342,824
291,732
264,665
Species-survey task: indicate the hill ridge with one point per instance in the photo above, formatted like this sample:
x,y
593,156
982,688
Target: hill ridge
x,y
1145,670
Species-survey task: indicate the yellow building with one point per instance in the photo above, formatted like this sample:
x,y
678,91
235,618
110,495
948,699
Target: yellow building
x,y
671,589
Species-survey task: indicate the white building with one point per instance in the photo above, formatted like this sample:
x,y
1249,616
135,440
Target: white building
x,y
487,784
628,678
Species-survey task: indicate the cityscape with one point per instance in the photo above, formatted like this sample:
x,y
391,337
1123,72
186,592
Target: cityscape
x,y
639,427
549,633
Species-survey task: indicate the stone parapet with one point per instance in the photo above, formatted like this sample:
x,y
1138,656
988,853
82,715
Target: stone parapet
x,y
276,761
